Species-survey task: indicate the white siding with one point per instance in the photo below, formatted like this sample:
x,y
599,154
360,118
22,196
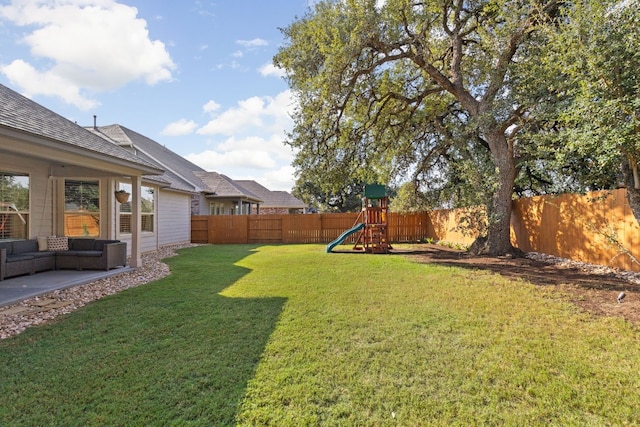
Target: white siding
x,y
147,242
174,218
172,222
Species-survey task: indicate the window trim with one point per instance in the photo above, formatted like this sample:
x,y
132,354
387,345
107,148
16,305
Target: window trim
x,y
123,185
97,213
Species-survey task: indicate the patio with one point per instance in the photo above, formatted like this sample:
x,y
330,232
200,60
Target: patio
x,y
16,289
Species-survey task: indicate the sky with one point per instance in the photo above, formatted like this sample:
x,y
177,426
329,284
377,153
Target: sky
x,y
195,76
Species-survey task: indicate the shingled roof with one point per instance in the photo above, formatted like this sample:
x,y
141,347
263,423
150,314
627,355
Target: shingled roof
x,y
272,199
224,187
178,171
22,114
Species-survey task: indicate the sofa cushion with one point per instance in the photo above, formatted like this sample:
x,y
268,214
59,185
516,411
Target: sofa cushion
x,y
42,243
19,257
57,243
74,253
100,244
40,254
22,246
8,246
82,244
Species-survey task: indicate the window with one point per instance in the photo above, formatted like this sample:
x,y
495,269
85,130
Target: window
x,y
81,208
216,208
147,208
14,206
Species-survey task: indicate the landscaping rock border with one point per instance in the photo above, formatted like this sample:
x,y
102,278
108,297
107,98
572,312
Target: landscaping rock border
x,y
17,317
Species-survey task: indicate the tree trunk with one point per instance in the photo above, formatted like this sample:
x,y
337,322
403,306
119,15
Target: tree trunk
x,y
630,173
498,239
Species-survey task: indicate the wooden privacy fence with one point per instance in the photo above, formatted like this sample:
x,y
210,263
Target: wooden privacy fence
x,y
597,228
312,228
81,224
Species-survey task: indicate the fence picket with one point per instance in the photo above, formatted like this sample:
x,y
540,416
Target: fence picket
x,y
597,227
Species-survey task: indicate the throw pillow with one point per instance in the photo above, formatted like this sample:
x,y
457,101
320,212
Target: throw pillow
x,y
42,244
58,243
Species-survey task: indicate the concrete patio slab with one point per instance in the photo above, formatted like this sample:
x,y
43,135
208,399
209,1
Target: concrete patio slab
x,y
16,289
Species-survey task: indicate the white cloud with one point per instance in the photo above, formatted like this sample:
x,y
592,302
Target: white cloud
x,y
266,113
236,119
233,65
179,128
211,106
252,143
222,162
282,105
90,45
252,43
270,70
249,143
249,158
272,145
280,179
34,83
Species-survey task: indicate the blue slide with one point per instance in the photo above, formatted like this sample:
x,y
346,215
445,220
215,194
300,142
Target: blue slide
x,y
343,236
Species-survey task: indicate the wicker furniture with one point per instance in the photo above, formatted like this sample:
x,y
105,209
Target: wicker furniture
x,y
92,254
24,257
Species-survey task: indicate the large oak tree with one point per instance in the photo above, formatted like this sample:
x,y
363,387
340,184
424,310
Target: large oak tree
x,y
413,85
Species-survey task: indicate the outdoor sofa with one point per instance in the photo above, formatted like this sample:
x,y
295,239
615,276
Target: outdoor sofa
x,y
31,256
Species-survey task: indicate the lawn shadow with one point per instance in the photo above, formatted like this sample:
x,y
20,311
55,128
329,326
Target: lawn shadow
x,y
173,351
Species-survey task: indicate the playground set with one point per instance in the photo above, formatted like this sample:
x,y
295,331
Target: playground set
x,y
371,223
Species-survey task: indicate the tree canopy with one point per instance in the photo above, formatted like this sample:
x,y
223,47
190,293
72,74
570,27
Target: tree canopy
x,y
597,50
462,98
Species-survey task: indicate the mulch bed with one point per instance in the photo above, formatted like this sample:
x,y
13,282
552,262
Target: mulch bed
x,y
592,291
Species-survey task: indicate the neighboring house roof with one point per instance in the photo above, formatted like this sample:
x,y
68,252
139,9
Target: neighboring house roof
x,y
179,172
224,187
272,199
24,115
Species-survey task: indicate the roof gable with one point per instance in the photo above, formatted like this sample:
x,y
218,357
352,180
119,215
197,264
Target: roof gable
x,y
222,186
272,199
20,113
179,172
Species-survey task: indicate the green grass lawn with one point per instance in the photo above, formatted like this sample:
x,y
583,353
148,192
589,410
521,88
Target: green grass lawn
x,y
290,335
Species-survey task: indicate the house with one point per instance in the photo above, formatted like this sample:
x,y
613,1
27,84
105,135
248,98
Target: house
x,y
226,196
166,198
57,178
273,202
210,193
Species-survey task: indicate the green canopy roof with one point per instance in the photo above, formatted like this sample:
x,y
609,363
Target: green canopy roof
x,y
375,191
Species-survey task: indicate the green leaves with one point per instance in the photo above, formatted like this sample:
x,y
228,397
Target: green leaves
x,y
447,94
596,50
